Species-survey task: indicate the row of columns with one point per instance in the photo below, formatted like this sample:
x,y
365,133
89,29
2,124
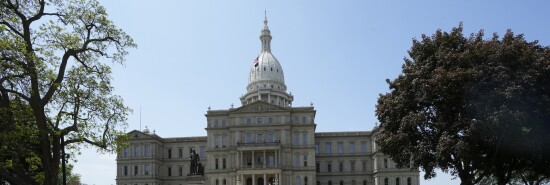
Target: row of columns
x,y
241,161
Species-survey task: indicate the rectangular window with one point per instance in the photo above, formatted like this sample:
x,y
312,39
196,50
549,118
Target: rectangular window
x,y
180,152
409,182
317,167
305,160
216,141
136,168
136,151
248,121
259,120
296,161
146,169
169,171
304,138
296,138
248,138
340,148
270,120
125,170
316,148
223,163
125,152
224,141
329,167
146,150
352,166
352,147
180,171
223,123
304,120
270,138
270,161
341,166
203,149
328,148
363,147
260,161
260,138
364,166
216,163
169,153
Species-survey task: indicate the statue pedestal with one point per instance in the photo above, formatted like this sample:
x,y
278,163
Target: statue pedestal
x,y
195,180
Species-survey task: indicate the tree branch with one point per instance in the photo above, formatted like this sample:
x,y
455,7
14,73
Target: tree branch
x,y
12,28
61,72
15,92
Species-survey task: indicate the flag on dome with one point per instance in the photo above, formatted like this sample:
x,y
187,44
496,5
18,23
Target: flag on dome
x,y
256,61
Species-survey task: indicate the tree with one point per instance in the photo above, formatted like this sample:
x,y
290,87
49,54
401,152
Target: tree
x,y
72,178
55,84
469,106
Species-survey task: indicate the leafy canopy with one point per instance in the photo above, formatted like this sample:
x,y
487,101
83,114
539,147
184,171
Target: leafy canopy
x,y
469,106
55,83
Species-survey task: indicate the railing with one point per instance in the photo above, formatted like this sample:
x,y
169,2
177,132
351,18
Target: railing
x,y
259,143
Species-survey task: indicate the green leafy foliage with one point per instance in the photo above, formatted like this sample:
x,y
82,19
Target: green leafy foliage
x,y
470,106
55,83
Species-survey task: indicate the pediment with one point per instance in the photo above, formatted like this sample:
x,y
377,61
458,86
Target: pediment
x,y
135,134
259,106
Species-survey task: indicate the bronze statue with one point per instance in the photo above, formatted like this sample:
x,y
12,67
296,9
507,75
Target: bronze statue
x,y
196,166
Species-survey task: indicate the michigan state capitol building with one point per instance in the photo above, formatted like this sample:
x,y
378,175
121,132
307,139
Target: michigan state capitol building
x,y
266,141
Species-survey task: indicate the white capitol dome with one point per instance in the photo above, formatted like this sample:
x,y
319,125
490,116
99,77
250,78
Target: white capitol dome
x,y
268,71
266,80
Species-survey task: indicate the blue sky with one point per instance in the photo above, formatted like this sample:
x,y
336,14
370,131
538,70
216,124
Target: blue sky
x,y
195,54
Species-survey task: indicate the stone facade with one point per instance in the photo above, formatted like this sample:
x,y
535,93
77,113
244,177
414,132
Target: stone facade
x,y
266,141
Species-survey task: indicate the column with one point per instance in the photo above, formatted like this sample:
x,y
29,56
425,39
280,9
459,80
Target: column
x,y
253,179
275,159
263,162
238,158
253,159
265,179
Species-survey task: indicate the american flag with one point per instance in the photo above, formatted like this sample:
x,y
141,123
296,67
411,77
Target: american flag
x,y
256,61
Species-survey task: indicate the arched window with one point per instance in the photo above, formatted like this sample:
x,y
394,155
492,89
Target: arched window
x,y
397,181
329,182
298,180
364,182
385,163
341,182
386,181
409,181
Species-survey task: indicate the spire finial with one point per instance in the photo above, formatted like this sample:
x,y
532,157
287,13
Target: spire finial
x,y
266,35
265,18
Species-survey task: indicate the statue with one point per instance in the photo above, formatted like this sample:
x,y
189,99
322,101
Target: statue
x,y
196,167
